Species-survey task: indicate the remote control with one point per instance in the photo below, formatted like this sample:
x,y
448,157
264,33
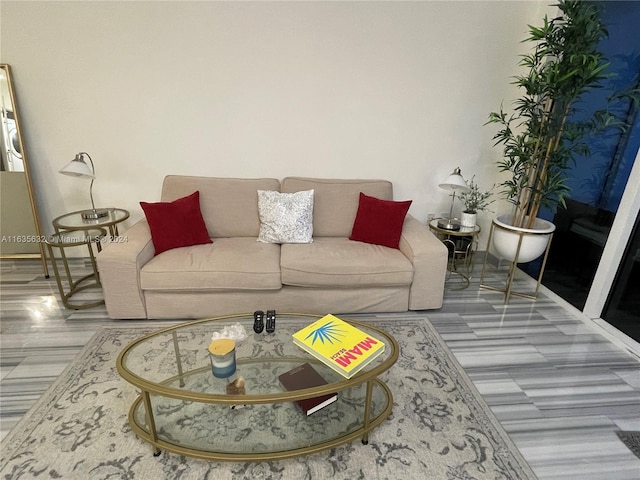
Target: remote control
x,y
258,321
271,321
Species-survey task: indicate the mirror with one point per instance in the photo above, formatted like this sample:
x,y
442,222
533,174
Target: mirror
x,y
19,227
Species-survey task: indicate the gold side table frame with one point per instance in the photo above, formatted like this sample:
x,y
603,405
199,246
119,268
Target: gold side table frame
x,y
507,289
462,245
69,228
76,238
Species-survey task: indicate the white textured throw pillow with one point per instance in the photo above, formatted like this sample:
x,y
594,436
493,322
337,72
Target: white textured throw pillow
x,y
285,217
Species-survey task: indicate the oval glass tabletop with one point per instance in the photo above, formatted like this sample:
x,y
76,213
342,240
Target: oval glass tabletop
x,y
191,412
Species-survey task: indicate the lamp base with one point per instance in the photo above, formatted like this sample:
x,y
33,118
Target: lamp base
x,y
94,213
449,224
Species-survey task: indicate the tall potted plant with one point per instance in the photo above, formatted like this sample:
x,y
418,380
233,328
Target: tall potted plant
x,y
541,138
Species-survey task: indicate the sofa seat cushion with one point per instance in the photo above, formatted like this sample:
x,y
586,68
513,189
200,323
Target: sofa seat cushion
x,y
239,263
340,262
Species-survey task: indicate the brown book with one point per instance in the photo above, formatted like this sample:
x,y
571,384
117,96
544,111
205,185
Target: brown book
x,y
305,376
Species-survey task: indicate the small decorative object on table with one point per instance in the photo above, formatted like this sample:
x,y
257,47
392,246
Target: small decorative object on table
x,y
474,201
235,332
222,350
237,387
222,353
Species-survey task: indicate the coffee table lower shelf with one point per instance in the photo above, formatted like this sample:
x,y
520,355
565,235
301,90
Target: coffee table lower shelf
x,y
273,441
182,407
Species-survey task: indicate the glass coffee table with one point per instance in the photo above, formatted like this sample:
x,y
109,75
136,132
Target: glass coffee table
x,y
184,409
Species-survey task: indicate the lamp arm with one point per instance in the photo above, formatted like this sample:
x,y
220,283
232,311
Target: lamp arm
x,y
453,200
93,170
93,205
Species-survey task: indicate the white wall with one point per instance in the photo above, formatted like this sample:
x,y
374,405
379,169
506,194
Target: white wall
x,y
396,90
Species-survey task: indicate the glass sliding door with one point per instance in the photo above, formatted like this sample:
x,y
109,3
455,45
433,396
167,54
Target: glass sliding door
x,y
594,260
593,231
622,309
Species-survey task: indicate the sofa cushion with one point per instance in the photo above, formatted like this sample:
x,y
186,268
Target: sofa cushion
x,y
335,201
238,263
176,224
229,205
339,262
379,221
285,217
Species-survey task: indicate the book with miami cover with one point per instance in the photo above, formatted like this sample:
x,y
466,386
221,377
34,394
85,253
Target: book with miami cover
x,y
338,344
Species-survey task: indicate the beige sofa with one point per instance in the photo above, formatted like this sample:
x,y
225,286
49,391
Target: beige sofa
x,y
238,274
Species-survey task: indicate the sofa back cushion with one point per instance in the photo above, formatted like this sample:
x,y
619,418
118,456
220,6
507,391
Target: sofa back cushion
x,y
336,201
229,205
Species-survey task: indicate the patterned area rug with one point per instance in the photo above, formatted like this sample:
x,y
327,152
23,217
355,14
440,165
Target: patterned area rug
x,y
440,427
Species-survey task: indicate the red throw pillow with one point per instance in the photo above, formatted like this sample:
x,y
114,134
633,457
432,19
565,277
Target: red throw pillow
x,y
379,221
176,224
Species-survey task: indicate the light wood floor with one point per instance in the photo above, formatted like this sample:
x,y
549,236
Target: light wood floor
x,y
560,385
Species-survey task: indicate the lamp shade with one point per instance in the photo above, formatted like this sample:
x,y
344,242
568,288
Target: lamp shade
x,y
455,182
78,168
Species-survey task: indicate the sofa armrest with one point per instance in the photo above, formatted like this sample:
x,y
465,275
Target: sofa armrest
x,y
119,265
429,257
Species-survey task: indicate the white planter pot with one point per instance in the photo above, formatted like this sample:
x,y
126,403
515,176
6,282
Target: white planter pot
x,y
534,240
468,219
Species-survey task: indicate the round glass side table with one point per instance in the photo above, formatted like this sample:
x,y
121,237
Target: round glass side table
x,y
72,230
462,245
74,221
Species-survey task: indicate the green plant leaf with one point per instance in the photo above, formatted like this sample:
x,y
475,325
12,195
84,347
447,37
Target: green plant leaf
x,y
542,137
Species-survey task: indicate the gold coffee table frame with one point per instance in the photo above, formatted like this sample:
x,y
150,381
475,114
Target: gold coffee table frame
x,y
368,375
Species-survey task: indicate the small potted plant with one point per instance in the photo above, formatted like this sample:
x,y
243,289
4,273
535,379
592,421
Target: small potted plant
x,y
474,201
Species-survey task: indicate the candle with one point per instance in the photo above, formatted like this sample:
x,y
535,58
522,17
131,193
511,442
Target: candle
x,y
222,353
